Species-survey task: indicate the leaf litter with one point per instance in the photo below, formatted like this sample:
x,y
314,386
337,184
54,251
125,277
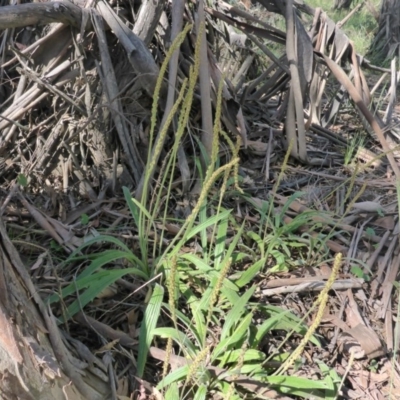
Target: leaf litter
x,y
75,118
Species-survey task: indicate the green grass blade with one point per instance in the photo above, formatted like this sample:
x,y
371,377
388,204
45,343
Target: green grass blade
x,y
105,258
188,324
235,313
199,263
209,222
287,321
267,326
238,334
198,318
260,243
86,277
229,293
149,323
332,380
135,207
96,284
175,376
172,392
232,246
179,337
290,200
249,274
201,393
204,268
298,386
203,233
98,240
138,211
219,247
233,356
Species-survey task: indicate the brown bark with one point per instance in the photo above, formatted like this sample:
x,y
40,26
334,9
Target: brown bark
x,y
34,363
148,18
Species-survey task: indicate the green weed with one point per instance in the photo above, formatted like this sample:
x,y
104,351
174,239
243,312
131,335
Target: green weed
x,y
209,293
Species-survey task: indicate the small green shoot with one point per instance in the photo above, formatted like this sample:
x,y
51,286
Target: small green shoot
x,y
84,219
22,180
359,273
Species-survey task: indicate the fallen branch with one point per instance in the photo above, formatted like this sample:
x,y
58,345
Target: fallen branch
x,y
340,284
40,14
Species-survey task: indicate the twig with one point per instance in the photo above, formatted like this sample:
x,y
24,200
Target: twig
x,y
340,284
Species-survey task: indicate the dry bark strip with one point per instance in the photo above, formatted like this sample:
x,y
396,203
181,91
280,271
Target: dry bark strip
x,y
40,14
66,12
364,111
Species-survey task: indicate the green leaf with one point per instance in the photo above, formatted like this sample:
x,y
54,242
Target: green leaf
x,y
175,376
197,262
22,180
96,284
369,232
262,208
86,276
253,369
84,219
290,200
232,246
210,273
229,293
149,323
260,243
286,321
201,393
228,288
138,212
199,329
209,222
106,257
235,313
172,392
203,233
188,324
267,326
359,273
233,356
135,207
179,337
99,240
219,247
205,299
249,274
289,384
225,389
332,380
292,385
238,334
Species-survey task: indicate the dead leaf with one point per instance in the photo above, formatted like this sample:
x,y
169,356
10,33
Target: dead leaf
x,y
385,222
123,388
368,341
